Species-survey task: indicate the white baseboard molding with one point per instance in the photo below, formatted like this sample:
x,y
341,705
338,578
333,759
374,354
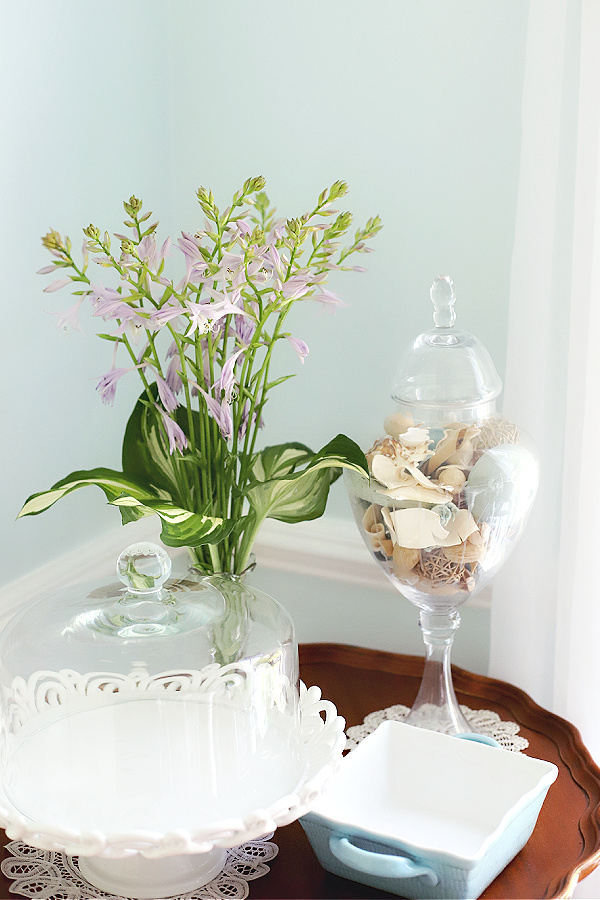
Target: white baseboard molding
x,y
324,548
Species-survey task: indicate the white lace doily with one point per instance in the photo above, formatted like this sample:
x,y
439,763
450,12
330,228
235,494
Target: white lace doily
x,y
484,721
50,875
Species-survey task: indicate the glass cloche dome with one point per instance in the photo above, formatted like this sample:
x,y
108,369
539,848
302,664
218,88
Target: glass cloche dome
x,y
156,717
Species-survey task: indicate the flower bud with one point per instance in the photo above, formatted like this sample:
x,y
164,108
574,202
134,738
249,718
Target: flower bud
x,y
92,232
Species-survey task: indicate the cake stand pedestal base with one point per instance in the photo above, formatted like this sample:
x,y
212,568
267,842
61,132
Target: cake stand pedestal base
x,y
150,879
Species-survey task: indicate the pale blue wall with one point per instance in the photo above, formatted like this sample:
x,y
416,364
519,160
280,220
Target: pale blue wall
x,y
416,105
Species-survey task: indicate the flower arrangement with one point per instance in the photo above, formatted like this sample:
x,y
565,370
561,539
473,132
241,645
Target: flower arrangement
x,y
202,347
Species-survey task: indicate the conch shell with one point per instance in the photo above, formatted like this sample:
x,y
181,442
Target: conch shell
x,y
376,533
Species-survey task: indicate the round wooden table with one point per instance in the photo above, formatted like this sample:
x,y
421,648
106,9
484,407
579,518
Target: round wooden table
x,y
565,845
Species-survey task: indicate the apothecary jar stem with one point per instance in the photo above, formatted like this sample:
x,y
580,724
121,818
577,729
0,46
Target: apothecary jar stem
x,y
436,706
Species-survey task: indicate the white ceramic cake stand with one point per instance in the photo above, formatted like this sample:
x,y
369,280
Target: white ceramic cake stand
x,y
143,823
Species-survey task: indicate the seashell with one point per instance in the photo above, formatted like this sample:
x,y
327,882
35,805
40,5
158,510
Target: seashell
x,y
470,551
451,477
417,492
404,481
369,518
386,446
397,424
387,518
455,448
419,528
376,533
404,559
414,437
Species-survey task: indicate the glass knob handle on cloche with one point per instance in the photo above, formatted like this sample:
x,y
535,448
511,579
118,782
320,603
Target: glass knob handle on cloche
x,y
145,608
452,482
143,568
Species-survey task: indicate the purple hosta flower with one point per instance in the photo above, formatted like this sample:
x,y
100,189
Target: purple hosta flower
x,y
203,316
55,285
69,318
173,378
176,435
298,285
232,268
299,346
244,423
195,264
226,382
277,231
108,383
166,313
110,304
166,394
329,300
154,258
245,326
273,261
221,413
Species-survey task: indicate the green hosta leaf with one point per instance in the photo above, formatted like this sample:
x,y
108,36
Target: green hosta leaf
x,y
180,527
282,492
112,483
280,460
146,456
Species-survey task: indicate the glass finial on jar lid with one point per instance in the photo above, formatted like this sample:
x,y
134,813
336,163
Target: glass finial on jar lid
x,y
446,374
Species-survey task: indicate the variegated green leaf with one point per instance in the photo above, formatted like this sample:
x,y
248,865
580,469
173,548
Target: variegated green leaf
x,y
282,492
180,527
111,482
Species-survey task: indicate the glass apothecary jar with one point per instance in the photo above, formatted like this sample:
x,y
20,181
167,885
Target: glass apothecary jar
x,y
452,482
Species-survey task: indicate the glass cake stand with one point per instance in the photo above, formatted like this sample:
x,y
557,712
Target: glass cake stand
x,y
149,725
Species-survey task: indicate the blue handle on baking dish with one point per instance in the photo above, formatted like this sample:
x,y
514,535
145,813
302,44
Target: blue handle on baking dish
x,y
383,865
479,739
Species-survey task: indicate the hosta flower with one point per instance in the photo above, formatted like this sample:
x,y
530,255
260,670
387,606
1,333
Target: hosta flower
x,y
299,346
329,300
168,398
57,285
297,286
226,383
203,316
107,386
111,304
177,438
69,318
221,413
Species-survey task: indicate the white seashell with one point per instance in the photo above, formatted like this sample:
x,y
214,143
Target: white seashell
x,y
419,528
414,437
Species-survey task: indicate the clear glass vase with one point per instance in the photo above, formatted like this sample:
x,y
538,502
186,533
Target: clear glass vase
x,y
451,485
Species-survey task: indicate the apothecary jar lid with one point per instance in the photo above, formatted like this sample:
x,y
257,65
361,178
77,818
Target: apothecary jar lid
x,y
142,715
446,373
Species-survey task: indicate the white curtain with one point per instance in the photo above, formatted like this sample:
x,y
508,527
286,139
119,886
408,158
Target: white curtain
x,y
546,606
